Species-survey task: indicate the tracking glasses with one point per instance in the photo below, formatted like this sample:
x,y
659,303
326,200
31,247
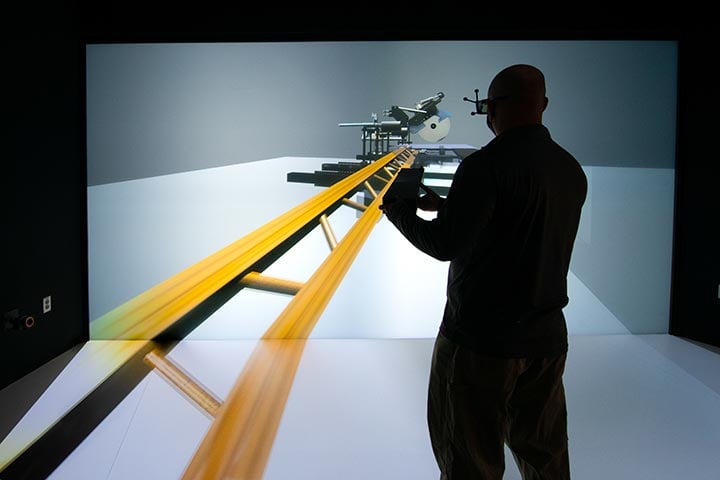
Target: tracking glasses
x,y
481,105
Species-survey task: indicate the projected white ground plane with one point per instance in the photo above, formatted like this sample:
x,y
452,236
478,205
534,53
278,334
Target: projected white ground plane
x,y
357,410
144,231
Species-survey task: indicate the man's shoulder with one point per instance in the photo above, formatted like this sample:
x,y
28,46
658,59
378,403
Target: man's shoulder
x,y
478,156
477,161
474,154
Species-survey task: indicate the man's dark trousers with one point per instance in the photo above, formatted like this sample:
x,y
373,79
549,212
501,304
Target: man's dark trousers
x,y
477,403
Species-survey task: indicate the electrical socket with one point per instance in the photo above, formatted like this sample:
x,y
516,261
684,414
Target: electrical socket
x,y
14,320
47,304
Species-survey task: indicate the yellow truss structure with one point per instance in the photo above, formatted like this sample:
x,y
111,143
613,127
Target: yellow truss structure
x,y
155,310
239,441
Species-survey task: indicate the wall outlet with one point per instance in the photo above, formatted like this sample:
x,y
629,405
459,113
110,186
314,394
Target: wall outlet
x,y
14,320
47,304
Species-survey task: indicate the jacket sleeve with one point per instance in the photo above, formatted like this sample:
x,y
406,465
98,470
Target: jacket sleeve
x,y
466,211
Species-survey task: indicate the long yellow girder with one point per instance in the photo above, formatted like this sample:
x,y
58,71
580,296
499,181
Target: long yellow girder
x,y
271,368
239,441
153,311
240,438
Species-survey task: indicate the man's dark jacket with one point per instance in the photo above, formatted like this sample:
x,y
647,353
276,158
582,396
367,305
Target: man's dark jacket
x,y
507,226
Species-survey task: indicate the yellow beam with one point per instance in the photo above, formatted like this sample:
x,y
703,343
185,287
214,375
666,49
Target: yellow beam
x,y
239,441
301,314
329,235
153,311
303,311
354,204
270,284
371,190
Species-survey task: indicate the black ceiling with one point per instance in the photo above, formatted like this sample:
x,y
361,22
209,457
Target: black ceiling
x,y
212,20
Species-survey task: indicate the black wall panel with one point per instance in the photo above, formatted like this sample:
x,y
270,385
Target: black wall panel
x,y
43,179
43,194
695,307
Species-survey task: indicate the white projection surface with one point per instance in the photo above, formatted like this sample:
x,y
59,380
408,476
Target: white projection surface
x,y
406,287
188,150
189,146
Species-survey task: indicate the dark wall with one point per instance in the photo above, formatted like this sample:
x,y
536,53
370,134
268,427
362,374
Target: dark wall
x,y
695,308
43,214
43,177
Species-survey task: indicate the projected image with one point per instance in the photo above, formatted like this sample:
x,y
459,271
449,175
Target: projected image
x,y
233,193
190,147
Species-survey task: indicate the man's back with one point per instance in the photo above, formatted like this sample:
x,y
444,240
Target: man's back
x,y
506,292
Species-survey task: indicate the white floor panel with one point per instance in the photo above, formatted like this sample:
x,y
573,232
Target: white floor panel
x,y
94,458
163,435
700,362
357,411
94,362
634,414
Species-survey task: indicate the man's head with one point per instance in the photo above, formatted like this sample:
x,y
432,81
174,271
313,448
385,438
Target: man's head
x,y
516,97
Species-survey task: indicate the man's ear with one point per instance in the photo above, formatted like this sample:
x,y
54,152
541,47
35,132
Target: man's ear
x,y
545,103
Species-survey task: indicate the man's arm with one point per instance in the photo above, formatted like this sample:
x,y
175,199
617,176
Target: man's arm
x,y
461,216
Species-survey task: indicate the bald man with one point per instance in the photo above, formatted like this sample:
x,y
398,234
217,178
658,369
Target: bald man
x,y
507,227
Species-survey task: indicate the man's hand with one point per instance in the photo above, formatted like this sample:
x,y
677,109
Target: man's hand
x,y
430,202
